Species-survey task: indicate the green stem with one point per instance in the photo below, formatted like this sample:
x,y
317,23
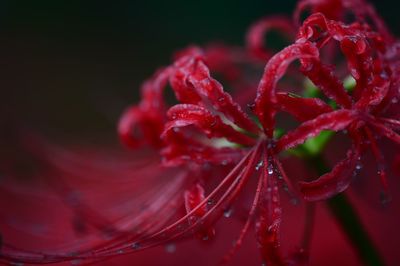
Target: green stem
x,y
348,219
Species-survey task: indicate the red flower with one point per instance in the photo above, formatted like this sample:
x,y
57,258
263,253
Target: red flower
x,y
208,133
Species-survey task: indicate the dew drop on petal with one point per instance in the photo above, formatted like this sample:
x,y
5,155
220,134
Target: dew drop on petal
x,y
228,212
251,106
210,201
259,165
270,170
135,245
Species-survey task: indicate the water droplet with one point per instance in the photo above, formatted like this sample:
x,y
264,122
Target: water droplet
x,y
210,201
224,162
120,251
205,238
259,165
135,246
170,248
228,212
176,129
395,100
359,166
221,99
270,170
251,106
384,75
271,144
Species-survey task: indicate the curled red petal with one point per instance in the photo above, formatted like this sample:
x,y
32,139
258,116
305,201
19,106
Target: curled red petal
x,y
255,38
315,30
181,149
324,78
334,182
143,124
266,101
213,92
183,115
337,120
302,109
375,92
333,9
384,130
137,127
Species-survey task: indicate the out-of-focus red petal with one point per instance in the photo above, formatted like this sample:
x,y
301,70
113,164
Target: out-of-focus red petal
x,y
235,181
302,109
143,124
334,182
384,130
333,9
137,127
256,35
193,197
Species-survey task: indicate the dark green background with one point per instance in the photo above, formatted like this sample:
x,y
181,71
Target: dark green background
x,y
70,67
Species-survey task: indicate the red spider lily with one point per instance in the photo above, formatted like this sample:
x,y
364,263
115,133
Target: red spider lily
x,y
209,134
362,113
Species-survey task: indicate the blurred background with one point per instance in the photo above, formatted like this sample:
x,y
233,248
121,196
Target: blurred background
x,y
69,68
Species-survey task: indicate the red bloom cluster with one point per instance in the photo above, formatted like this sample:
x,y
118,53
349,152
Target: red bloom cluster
x,y
210,132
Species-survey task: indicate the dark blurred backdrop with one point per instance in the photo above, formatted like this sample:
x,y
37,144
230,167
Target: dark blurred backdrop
x,y
70,67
